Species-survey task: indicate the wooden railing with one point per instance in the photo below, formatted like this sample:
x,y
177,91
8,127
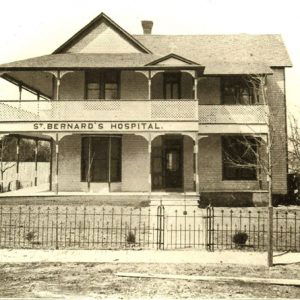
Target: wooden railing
x,y
233,114
131,110
100,110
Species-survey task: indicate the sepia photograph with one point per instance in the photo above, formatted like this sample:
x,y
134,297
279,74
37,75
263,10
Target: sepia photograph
x,y
150,149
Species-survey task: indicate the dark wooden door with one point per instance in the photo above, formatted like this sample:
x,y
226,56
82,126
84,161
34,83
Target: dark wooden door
x,y
173,163
99,170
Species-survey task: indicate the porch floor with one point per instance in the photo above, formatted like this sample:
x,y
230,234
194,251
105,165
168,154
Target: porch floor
x,y
40,195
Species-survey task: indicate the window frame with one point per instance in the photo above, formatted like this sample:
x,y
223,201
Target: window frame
x,y
240,172
84,160
102,78
237,80
168,79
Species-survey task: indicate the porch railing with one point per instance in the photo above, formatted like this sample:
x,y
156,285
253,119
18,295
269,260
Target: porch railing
x,y
99,110
233,114
131,110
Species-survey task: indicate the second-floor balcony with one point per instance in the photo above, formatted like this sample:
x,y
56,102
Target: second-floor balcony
x,y
131,110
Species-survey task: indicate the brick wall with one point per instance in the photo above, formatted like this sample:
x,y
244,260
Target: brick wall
x,y
210,169
72,86
135,163
209,90
188,173
134,86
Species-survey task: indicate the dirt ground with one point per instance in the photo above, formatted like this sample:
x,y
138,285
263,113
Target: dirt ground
x,y
98,280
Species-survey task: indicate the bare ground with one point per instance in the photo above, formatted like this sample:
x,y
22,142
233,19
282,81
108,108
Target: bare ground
x,y
98,280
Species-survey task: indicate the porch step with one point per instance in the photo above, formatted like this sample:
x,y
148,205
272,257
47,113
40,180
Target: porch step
x,y
175,200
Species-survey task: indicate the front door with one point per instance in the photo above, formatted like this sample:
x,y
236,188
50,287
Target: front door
x,y
173,163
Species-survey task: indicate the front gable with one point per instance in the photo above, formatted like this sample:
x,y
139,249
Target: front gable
x,y
102,35
172,60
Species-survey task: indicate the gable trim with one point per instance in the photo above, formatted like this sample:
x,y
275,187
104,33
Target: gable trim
x,y
172,55
86,29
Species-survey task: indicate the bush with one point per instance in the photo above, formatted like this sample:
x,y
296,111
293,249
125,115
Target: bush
x,y
130,238
240,238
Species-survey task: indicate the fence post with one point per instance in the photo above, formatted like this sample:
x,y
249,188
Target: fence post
x,y
56,229
208,229
160,227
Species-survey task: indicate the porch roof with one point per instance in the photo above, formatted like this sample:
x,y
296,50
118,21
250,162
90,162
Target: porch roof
x,y
81,61
73,61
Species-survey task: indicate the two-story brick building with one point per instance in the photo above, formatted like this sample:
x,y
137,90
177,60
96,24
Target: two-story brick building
x,y
152,114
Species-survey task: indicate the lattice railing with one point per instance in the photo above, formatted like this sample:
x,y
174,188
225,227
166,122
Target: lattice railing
x,y
233,114
132,110
99,110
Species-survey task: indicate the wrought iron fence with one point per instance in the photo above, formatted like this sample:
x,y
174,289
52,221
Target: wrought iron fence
x,y
78,227
91,227
248,229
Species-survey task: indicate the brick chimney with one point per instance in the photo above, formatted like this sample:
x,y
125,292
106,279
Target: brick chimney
x,y
147,26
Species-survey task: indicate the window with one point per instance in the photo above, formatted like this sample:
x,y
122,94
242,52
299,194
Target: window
x,y
239,158
172,86
238,90
102,85
101,159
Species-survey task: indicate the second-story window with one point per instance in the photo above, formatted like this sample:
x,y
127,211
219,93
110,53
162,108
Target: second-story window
x,y
239,90
102,85
172,86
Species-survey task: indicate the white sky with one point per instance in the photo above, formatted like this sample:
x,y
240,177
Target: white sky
x,y
34,27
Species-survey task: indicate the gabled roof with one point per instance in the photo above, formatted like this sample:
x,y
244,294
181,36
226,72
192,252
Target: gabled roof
x,y
208,49
172,56
86,29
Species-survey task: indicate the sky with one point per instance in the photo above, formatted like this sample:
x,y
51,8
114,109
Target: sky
x,y
35,27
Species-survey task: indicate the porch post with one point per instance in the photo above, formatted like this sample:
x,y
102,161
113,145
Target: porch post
x,y
150,176
51,165
196,167
149,85
89,166
109,164
38,103
20,95
36,161
58,85
195,88
56,162
17,163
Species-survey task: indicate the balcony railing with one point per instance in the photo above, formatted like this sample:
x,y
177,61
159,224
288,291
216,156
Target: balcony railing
x,y
100,110
233,114
131,110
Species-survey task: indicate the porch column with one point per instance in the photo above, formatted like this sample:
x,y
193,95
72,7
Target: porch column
x,y
196,167
17,163
195,88
89,166
20,95
36,161
38,104
51,165
58,85
149,86
150,176
56,162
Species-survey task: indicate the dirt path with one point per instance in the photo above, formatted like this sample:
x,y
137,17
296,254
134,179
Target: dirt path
x,y
98,280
